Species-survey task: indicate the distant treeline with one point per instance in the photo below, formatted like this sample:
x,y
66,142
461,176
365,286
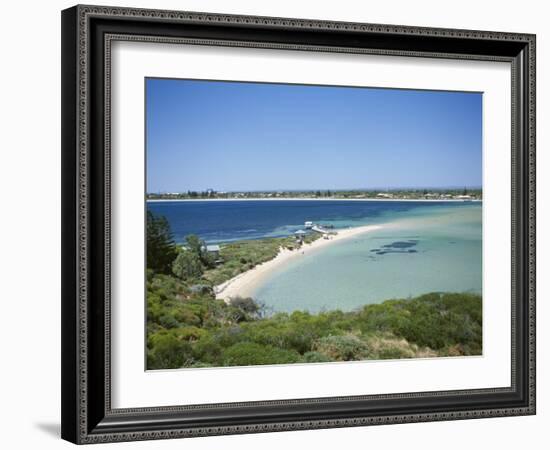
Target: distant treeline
x,y
425,193
188,327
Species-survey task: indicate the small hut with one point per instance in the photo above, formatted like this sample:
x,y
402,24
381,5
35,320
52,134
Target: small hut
x,y
214,250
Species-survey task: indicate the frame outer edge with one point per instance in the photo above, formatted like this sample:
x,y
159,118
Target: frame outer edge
x,y
295,23
532,143
75,295
69,265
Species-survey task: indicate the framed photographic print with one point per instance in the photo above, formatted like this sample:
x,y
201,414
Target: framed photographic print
x,y
281,224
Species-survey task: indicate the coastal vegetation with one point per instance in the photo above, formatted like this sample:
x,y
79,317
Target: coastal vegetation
x,y
188,327
238,257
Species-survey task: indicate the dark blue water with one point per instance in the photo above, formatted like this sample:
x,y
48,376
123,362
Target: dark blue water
x,y
225,221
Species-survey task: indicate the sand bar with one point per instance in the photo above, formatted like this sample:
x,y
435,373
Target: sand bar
x,y
245,284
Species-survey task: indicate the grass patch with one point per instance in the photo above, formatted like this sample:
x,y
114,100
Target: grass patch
x,y
238,257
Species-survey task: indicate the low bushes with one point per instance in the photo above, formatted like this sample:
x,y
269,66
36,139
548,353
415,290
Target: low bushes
x,y
190,328
347,347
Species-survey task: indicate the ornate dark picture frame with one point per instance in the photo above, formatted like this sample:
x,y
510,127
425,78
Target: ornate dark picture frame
x,y
87,33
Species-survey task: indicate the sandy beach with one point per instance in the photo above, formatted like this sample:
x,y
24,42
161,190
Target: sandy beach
x,y
244,284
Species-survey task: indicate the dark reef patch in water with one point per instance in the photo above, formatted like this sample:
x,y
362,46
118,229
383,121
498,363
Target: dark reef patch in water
x,y
397,247
401,244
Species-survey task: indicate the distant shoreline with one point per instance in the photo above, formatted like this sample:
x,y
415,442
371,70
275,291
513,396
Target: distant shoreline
x,y
325,199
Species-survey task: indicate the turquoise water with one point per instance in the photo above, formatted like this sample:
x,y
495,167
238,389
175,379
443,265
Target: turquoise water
x,y
422,250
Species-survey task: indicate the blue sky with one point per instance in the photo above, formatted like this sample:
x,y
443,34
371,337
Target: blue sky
x,y
232,136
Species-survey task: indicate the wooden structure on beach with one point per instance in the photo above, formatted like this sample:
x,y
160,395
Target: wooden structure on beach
x,y
323,231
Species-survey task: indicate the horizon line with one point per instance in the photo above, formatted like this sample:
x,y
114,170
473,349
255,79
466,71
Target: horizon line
x,y
320,189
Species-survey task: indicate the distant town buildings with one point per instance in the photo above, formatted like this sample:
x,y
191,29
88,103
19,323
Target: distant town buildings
x,y
390,194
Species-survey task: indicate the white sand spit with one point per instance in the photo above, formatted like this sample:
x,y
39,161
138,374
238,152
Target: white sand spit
x,y
244,284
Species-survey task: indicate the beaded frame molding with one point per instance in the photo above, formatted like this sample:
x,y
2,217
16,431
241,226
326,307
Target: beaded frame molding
x,y
87,35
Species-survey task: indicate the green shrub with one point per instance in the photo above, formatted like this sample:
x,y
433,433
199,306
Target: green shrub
x,y
245,308
342,348
187,265
208,350
185,315
315,357
250,353
190,333
388,346
167,351
168,321
434,320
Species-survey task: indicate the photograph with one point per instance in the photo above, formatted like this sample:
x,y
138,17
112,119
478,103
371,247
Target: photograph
x,y
276,220
295,223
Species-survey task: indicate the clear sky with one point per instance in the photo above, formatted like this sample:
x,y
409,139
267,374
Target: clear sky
x,y
232,136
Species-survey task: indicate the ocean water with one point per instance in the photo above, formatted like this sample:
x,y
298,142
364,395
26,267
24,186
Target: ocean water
x,y
225,221
423,247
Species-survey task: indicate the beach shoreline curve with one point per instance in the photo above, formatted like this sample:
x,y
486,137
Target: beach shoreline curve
x,y
246,283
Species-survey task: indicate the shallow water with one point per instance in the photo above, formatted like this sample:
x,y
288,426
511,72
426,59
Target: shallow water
x,y
434,249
